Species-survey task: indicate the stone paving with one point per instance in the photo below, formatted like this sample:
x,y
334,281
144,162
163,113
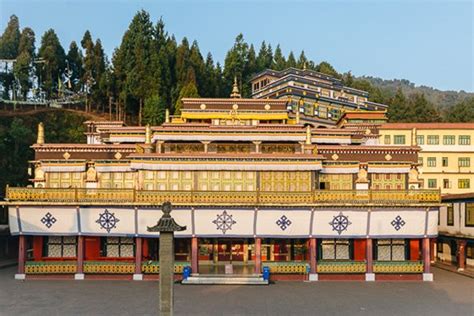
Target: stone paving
x,y
450,294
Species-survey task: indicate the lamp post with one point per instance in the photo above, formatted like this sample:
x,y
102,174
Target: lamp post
x,y
166,226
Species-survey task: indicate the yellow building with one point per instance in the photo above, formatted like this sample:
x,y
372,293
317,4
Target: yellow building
x,y
447,152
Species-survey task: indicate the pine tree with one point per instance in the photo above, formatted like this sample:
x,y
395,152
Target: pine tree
x,y
24,62
461,112
235,63
291,61
420,110
279,62
326,68
398,108
189,90
302,61
54,59
154,110
75,64
9,45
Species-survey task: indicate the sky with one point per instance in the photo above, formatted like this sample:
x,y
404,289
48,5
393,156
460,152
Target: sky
x,y
427,42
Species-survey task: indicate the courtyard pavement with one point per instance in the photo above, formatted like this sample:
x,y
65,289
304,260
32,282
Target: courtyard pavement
x,y
450,294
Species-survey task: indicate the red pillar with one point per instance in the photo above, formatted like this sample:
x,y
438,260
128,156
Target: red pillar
x,y
138,255
194,255
312,255
258,255
426,255
369,256
21,254
80,255
461,255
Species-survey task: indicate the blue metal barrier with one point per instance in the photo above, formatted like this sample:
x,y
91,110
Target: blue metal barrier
x,y
266,273
186,272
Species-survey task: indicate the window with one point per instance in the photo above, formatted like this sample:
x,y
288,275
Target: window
x,y
431,162
433,139
420,161
450,215
464,140
117,247
420,139
390,250
446,184
463,184
59,246
444,161
335,249
464,162
399,139
386,140
470,251
449,140
470,214
432,183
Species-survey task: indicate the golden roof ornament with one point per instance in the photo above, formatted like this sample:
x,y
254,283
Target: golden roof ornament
x,y
167,116
40,139
308,135
235,89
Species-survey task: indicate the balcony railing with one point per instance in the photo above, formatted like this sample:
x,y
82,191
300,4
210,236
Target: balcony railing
x,y
146,197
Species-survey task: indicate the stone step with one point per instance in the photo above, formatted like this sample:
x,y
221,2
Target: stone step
x,y
254,279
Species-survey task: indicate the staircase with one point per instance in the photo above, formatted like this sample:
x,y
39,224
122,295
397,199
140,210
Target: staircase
x,y
226,279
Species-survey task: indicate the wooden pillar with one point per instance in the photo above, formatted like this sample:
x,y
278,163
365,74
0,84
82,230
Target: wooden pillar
x,y
426,255
369,256
138,258
461,255
194,255
80,259
312,255
258,255
432,250
21,257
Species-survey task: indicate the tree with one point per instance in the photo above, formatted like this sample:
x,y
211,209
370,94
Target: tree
x,y
265,57
279,62
54,59
9,45
461,112
326,68
421,111
235,63
154,110
302,61
398,108
189,90
291,61
74,62
24,62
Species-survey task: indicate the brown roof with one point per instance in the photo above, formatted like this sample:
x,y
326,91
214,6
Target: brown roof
x,y
460,196
427,126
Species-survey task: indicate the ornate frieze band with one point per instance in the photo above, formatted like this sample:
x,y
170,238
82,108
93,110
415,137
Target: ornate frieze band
x,y
228,222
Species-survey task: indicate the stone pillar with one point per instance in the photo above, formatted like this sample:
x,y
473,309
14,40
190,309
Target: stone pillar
x,y
138,276
313,271
369,274
258,255
195,255
166,273
461,254
80,259
427,275
21,258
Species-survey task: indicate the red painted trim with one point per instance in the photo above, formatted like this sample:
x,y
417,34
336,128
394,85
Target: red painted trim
x,y
369,253
426,255
414,249
80,254
360,249
341,277
288,277
398,277
313,255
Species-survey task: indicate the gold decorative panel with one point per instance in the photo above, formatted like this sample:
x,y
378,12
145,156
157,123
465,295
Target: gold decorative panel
x,y
172,180
226,181
336,181
117,180
285,181
388,181
64,179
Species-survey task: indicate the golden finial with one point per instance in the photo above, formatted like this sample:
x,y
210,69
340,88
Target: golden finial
x,y
304,66
297,115
40,139
148,134
308,135
235,89
167,116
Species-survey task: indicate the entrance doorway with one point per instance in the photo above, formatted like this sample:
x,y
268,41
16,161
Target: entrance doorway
x,y
230,250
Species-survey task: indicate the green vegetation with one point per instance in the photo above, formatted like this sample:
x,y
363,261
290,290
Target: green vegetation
x,y
17,134
149,63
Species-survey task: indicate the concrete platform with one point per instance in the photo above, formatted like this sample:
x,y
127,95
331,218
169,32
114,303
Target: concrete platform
x,y
226,279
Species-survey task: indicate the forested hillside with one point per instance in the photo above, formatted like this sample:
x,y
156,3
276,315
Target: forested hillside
x,y
150,70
